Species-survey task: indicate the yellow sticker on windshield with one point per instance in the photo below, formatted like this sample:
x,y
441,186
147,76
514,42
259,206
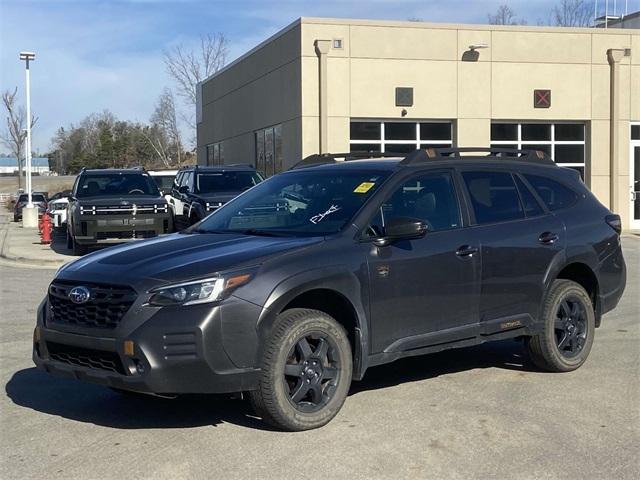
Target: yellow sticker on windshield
x,y
364,187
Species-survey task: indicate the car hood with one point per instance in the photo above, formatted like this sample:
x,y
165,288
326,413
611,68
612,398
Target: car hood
x,y
178,257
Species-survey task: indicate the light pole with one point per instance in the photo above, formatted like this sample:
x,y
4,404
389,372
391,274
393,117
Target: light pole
x,y
29,213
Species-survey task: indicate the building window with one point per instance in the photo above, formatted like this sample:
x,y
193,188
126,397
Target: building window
x,y
399,137
269,150
215,154
563,142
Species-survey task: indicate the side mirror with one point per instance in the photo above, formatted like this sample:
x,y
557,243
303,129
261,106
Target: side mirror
x,y
401,228
183,189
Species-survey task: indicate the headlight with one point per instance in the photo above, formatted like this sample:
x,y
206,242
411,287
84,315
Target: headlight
x,y
199,291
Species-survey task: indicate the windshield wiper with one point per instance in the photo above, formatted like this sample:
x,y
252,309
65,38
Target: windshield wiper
x,y
203,230
261,233
248,231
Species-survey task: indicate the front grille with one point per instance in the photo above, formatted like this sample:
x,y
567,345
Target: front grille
x,y
132,209
85,357
126,234
106,306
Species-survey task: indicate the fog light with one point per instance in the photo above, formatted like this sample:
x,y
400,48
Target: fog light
x,y
139,367
128,348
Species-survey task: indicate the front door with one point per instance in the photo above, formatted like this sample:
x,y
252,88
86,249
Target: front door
x,y
423,291
634,176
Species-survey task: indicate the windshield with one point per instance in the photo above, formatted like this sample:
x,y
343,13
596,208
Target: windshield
x,y
298,203
164,181
118,184
213,182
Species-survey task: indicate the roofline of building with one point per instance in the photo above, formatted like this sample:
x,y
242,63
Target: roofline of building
x,y
620,18
420,24
460,26
265,42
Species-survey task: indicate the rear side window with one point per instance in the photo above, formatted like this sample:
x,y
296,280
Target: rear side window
x,y
494,197
553,194
531,206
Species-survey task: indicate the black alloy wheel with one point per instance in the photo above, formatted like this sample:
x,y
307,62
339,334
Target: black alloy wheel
x,y
311,372
571,327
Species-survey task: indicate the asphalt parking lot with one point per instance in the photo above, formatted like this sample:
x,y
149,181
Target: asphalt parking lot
x,y
482,412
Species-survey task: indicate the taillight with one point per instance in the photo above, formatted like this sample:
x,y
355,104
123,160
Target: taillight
x,y
614,222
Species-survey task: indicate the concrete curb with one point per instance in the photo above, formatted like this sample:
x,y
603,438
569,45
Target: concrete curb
x,y
4,233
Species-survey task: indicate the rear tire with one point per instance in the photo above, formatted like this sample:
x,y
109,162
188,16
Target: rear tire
x,y
569,328
306,371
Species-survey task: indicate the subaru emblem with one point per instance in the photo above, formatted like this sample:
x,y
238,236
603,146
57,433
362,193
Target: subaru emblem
x,y
79,294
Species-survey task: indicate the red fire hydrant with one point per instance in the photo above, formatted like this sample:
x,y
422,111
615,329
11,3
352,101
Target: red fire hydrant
x,y
45,230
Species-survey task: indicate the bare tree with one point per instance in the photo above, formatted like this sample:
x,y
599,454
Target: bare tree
x,y
165,119
14,134
164,134
159,142
505,16
572,13
189,67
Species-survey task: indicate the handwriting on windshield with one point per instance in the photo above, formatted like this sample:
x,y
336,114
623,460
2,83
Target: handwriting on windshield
x,y
319,217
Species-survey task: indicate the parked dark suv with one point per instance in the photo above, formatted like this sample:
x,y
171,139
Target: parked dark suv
x,y
39,201
198,191
109,205
296,287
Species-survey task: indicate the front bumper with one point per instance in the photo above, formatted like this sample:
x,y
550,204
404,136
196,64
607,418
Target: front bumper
x,y
171,354
92,229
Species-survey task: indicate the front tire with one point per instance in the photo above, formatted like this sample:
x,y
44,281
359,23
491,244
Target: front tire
x,y
77,249
569,328
306,371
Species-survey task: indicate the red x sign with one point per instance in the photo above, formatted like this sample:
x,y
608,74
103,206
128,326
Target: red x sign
x,y
541,98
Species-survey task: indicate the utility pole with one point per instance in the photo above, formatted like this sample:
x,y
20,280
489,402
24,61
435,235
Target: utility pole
x,y
29,213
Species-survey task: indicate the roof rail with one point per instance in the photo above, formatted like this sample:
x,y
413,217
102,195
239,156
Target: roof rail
x,y
328,158
432,154
249,165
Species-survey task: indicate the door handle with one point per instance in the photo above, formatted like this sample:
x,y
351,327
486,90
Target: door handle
x,y
466,251
548,238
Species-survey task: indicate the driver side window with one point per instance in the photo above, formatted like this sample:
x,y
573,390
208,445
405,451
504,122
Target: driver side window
x,y
430,198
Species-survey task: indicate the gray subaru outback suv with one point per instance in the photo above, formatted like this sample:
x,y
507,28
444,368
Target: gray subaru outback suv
x,y
295,288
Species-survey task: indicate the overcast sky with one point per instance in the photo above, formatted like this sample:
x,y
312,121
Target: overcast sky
x,y
107,54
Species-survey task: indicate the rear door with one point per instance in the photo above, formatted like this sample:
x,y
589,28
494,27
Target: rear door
x,y
518,239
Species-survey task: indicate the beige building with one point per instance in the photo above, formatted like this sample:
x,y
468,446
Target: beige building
x,y
329,85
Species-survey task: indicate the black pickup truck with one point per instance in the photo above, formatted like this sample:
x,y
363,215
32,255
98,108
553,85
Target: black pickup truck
x,y
109,205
